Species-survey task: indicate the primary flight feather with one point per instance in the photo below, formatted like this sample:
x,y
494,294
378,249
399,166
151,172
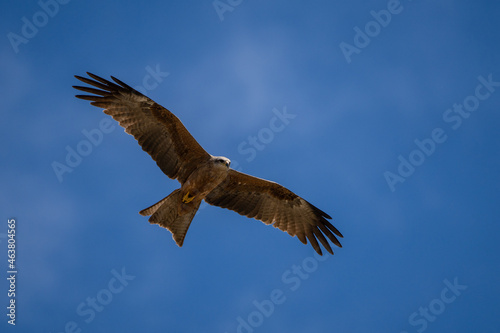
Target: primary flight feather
x,y
202,176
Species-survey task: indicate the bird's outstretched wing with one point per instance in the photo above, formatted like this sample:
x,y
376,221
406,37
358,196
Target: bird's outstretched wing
x,y
274,204
159,132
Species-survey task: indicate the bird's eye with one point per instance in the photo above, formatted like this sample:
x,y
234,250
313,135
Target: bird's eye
x,y
223,161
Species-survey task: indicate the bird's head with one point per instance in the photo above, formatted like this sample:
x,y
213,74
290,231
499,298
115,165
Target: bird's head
x,y
222,161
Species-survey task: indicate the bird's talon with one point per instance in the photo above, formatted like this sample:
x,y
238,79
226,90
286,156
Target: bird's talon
x,y
187,198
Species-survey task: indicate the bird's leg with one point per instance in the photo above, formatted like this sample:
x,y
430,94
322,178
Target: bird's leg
x,y
188,197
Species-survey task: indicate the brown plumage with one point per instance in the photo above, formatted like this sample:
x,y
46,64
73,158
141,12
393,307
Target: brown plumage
x,y
203,176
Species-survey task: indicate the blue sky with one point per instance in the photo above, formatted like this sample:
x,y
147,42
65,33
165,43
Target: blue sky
x,y
394,133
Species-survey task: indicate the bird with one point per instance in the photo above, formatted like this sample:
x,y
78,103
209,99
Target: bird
x,y
201,175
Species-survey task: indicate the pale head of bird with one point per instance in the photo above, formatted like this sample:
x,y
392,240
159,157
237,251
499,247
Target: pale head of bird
x,y
221,161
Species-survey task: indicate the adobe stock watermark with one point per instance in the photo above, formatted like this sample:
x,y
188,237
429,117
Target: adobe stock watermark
x,y
222,6
454,118
258,142
95,136
363,38
255,143
291,279
152,79
75,156
420,319
30,26
88,309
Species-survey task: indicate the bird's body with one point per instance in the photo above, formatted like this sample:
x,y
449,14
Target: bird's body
x,y
202,181
203,176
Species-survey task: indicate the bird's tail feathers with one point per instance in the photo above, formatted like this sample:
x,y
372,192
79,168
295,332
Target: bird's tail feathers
x,y
165,213
152,209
